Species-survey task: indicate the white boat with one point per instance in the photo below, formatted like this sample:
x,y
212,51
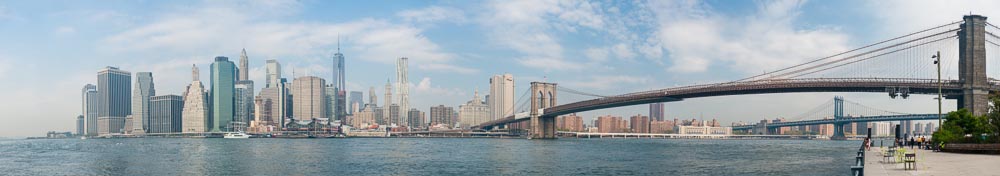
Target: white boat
x,y
236,135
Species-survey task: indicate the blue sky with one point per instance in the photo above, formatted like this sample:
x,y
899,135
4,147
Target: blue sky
x,y
50,49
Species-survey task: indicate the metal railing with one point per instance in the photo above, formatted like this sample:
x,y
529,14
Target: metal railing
x,y
858,169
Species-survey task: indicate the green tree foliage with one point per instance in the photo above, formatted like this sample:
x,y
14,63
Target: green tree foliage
x,y
963,127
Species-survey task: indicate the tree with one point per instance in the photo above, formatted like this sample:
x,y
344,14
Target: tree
x,y
960,123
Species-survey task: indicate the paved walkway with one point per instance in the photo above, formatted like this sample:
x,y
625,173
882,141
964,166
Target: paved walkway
x,y
934,163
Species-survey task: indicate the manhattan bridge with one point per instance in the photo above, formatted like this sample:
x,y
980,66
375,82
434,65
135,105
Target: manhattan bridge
x,y
898,66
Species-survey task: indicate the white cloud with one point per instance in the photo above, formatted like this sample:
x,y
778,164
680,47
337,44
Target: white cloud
x,y
433,14
223,29
697,38
447,68
596,54
526,27
896,15
6,14
65,30
425,89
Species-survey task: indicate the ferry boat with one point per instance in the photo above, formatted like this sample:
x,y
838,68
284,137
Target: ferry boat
x,y
236,135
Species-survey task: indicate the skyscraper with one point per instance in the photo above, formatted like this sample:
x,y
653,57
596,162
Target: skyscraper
x,y
90,108
501,99
244,66
140,101
165,115
244,103
339,94
79,125
223,89
357,100
402,85
388,94
393,113
273,77
330,101
195,112
114,100
308,101
372,99
656,111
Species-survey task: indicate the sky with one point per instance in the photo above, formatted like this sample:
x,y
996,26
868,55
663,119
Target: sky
x,y
50,49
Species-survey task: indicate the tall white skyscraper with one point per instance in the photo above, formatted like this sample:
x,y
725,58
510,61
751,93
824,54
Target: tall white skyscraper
x,y
501,99
140,102
403,90
244,100
273,71
388,102
90,107
195,112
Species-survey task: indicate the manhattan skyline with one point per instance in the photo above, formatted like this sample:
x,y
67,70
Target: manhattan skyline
x,y
453,48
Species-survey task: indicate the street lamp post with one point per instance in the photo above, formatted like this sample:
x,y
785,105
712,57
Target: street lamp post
x,y
937,62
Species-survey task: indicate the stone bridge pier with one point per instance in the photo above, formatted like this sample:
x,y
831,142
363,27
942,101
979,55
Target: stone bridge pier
x,y
543,95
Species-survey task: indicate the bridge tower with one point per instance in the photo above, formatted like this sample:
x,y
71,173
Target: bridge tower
x,y
972,65
543,95
838,119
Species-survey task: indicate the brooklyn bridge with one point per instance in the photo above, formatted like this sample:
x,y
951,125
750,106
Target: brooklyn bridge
x,y
898,66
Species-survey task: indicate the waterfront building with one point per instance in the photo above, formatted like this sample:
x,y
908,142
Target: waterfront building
x,y
473,112
244,101
704,130
656,111
140,101
379,115
611,124
80,125
165,115
222,94
308,95
441,114
244,69
364,118
402,86
261,117
89,109
273,73
393,112
661,127
501,95
929,129
918,129
355,101
129,121
195,112
275,100
639,123
571,123
415,118
881,129
114,100
388,101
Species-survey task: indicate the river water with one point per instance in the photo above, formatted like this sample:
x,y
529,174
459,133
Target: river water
x,y
424,156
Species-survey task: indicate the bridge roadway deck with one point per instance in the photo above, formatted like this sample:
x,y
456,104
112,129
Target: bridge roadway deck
x,y
951,89
934,163
846,120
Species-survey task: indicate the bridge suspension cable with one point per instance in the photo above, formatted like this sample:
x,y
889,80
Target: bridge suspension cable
x,y
845,52
573,91
867,58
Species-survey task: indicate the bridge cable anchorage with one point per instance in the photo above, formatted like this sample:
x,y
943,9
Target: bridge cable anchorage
x,y
879,55
845,52
866,53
